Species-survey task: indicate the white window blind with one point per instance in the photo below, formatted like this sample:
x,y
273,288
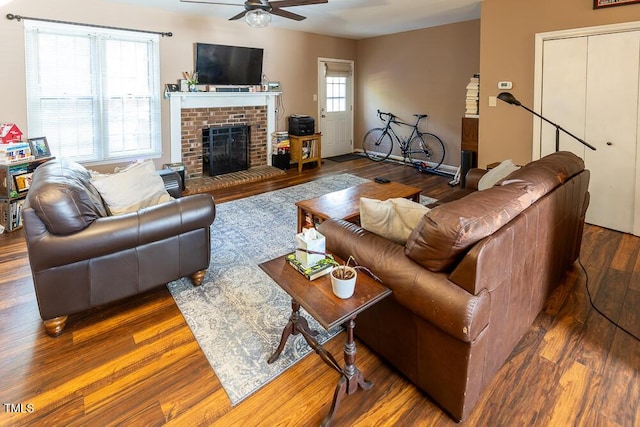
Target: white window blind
x,y
338,69
94,93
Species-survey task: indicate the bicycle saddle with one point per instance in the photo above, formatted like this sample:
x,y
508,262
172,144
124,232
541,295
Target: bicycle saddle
x,y
422,116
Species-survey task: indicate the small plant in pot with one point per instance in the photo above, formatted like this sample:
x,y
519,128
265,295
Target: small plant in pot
x,y
343,278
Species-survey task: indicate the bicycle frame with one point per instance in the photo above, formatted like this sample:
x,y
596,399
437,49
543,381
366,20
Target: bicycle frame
x,y
402,142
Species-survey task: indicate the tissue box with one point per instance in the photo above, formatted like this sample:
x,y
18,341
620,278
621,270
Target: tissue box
x,y
311,241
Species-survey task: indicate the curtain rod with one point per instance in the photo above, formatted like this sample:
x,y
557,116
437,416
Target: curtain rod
x,y
19,18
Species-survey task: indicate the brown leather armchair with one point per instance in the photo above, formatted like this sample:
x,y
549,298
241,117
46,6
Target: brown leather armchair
x,y
81,257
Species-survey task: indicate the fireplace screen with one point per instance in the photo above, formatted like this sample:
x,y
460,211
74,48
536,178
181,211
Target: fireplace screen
x,y
225,149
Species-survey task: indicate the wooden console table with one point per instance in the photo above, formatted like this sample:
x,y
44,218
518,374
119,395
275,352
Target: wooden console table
x,y
306,149
330,311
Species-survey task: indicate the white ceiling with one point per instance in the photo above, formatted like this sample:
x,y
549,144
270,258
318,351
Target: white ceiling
x,y
355,19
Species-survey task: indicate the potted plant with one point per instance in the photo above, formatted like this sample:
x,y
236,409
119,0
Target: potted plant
x,y
343,278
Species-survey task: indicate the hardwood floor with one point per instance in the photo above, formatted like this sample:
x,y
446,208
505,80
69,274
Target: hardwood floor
x,y
137,363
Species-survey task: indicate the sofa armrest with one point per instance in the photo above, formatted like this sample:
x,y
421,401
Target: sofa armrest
x,y
113,234
429,295
172,182
473,177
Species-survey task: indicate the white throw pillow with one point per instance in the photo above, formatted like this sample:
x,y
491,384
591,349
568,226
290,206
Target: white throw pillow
x,y
393,219
135,187
494,175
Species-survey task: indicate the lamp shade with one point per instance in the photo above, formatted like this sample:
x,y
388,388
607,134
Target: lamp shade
x,y
258,18
508,98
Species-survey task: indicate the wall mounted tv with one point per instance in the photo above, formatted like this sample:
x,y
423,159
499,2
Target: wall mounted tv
x,y
228,65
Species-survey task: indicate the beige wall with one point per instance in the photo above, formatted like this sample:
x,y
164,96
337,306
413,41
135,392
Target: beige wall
x,y
422,71
290,56
507,50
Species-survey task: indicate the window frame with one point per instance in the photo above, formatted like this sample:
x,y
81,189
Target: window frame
x,y
143,129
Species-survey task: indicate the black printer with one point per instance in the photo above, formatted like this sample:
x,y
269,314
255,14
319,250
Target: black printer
x,y
301,125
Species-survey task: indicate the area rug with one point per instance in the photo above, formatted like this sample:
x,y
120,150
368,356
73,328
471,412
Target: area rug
x,y
238,313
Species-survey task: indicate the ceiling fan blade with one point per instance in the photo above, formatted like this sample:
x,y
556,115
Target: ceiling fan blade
x,y
210,2
290,3
238,16
287,14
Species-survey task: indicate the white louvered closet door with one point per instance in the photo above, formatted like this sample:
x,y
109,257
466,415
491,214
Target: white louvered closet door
x,y
590,87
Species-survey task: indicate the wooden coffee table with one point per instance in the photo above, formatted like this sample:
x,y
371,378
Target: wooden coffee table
x,y
345,204
317,298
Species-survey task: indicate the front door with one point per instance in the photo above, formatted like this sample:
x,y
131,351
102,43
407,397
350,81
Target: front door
x,y
335,104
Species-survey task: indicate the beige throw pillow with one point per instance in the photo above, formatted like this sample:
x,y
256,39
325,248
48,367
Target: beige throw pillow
x,y
393,219
131,189
494,175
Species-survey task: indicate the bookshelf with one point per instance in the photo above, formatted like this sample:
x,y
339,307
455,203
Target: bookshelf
x,y
306,149
15,179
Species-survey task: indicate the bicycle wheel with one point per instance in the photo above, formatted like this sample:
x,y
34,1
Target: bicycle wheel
x,y
377,144
427,148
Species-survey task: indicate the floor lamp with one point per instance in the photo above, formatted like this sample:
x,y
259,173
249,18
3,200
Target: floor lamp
x,y
510,99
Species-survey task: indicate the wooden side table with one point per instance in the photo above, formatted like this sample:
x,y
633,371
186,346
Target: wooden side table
x,y
306,149
330,311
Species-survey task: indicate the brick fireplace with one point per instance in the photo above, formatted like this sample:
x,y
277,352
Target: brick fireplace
x,y
194,120
191,112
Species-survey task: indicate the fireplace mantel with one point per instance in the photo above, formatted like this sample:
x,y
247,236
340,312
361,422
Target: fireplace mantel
x,y
180,100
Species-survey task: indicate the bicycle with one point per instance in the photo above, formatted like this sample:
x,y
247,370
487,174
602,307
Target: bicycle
x,y
425,148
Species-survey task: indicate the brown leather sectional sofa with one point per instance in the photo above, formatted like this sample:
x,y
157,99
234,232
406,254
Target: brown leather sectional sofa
x,y
82,257
472,277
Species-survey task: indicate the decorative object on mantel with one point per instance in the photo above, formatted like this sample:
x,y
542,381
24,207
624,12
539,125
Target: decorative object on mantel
x,y
192,80
599,4
258,13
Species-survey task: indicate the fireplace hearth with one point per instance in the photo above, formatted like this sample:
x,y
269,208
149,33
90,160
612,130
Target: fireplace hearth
x,y
225,149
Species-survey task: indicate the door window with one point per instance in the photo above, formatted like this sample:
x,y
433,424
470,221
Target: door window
x,y
336,94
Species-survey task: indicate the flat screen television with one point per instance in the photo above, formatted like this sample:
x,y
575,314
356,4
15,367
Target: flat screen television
x,y
228,65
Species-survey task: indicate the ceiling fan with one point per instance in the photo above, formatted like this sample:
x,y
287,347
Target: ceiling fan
x,y
265,7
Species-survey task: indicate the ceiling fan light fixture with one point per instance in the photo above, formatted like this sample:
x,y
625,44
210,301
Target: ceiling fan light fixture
x,y
258,18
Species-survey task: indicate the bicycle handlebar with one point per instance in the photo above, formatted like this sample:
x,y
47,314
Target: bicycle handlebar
x,y
390,115
393,117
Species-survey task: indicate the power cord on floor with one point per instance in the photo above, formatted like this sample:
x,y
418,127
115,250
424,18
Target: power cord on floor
x,y
586,285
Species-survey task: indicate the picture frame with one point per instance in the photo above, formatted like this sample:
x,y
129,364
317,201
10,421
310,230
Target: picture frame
x,y
22,181
39,147
600,4
172,87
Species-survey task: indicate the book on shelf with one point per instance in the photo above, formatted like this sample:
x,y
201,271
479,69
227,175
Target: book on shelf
x,y
472,99
323,267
